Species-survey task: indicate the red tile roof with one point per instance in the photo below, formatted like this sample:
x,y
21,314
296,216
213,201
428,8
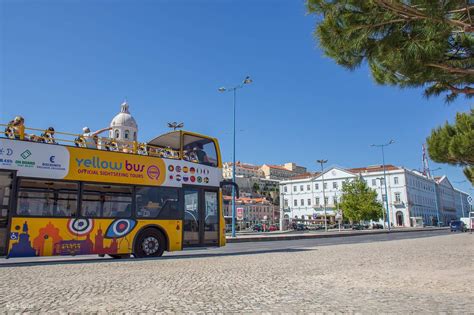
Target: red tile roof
x,y
373,168
305,175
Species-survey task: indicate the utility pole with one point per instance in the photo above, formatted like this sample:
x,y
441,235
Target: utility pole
x,y
324,194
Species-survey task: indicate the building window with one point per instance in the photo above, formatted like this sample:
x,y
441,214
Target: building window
x,y
117,133
286,203
397,197
302,202
316,186
309,202
334,200
374,182
294,188
308,187
126,134
301,188
326,200
395,180
285,189
295,202
317,201
334,185
325,185
134,136
384,197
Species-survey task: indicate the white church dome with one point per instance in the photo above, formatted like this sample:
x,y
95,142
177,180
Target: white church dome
x,y
124,126
124,118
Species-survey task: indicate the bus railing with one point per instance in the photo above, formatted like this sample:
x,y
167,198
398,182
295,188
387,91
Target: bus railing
x,y
51,136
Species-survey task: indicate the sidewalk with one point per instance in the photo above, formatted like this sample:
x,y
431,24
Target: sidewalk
x,y
285,236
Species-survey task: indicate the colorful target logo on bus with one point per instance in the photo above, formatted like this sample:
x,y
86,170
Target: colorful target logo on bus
x,y
120,228
80,227
153,172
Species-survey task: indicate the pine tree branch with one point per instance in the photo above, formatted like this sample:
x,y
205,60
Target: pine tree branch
x,y
465,90
451,69
408,12
380,24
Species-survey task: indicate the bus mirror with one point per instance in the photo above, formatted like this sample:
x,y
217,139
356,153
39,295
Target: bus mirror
x,y
230,183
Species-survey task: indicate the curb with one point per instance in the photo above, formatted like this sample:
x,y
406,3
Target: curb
x,y
268,238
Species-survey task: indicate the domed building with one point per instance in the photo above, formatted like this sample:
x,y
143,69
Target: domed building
x,y
124,126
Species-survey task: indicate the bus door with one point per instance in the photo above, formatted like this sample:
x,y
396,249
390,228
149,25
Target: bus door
x,y
201,216
6,187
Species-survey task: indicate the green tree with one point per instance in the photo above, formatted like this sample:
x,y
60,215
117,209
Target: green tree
x,y
454,144
256,188
410,43
359,202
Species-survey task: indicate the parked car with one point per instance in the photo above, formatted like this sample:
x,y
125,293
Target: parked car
x,y
273,228
377,226
457,226
358,227
301,227
257,228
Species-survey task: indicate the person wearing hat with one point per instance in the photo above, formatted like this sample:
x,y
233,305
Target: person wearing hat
x,y
91,138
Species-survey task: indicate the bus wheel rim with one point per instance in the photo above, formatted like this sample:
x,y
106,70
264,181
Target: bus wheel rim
x,y
150,245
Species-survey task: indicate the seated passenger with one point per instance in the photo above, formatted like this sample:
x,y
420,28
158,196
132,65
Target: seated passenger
x,y
200,154
15,128
48,136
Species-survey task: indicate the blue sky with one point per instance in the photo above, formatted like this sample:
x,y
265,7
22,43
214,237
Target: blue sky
x,y
71,63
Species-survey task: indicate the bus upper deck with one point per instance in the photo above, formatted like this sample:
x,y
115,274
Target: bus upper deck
x,y
65,194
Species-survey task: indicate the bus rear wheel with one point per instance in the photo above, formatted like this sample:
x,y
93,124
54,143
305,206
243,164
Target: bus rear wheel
x,y
150,243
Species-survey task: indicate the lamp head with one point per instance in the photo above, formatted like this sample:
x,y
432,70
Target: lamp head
x,y
391,141
222,89
247,80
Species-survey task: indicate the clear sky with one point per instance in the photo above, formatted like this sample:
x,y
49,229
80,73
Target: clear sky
x,y
69,64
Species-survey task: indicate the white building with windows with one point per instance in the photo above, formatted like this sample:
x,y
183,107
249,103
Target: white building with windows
x,y
124,127
413,198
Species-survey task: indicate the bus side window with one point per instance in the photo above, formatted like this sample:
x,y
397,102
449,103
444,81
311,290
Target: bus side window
x,y
199,150
47,198
106,201
157,203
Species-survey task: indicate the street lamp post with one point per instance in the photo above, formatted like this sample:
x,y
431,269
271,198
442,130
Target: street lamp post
x,y
247,80
381,196
385,177
324,194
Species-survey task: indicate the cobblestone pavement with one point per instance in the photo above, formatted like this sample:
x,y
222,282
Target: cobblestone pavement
x,y
424,275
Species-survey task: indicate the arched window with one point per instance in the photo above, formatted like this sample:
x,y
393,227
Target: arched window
x,y
134,136
126,134
117,133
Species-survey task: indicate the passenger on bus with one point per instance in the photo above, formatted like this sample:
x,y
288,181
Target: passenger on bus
x,y
200,153
15,128
48,136
91,138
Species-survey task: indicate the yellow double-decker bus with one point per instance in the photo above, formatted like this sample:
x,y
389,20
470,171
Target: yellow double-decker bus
x,y
62,197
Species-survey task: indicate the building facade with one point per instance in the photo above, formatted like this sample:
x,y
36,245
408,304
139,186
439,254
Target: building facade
x,y
282,172
254,210
413,199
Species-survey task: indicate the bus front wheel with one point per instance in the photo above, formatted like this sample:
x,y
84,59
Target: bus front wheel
x,y
150,243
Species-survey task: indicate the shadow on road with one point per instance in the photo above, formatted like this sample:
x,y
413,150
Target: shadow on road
x,y
171,257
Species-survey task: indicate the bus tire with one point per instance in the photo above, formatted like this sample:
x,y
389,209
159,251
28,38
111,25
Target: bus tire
x,y
149,243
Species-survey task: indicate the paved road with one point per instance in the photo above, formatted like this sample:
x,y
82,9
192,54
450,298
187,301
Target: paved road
x,y
364,274
241,248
